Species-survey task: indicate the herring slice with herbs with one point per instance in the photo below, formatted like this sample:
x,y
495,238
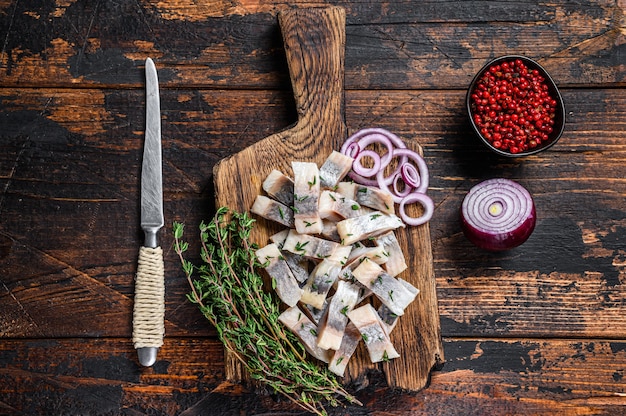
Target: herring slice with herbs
x,y
373,333
396,263
342,355
273,210
279,186
334,169
306,194
359,228
368,196
334,206
320,282
300,324
309,246
285,283
389,318
391,291
360,251
335,318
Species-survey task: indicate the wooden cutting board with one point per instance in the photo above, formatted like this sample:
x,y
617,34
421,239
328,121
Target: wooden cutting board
x,y
314,40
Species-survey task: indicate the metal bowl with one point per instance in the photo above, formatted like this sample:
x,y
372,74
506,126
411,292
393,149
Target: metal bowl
x,y
559,116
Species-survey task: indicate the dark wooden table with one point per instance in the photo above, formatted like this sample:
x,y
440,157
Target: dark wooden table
x,y
540,329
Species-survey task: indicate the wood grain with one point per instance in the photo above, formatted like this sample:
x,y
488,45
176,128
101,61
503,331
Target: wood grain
x,y
314,43
538,330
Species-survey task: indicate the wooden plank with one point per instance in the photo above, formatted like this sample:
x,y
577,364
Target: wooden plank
x,y
481,376
314,43
99,376
389,45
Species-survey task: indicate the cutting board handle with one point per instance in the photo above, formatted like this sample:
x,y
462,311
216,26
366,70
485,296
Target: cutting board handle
x,y
314,40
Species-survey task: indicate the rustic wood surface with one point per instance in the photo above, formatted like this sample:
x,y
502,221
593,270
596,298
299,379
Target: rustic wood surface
x,y
536,330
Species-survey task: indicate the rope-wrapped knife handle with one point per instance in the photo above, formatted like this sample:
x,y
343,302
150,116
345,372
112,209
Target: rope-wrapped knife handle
x,y
149,309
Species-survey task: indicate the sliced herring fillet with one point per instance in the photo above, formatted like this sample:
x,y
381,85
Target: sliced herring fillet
x,y
396,262
309,246
360,251
393,293
306,194
337,207
316,314
298,264
374,198
279,238
335,318
300,324
320,282
273,210
389,318
279,186
334,169
287,287
368,196
373,333
342,355
329,231
359,228
341,255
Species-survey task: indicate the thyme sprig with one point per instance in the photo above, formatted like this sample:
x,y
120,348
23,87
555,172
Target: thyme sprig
x,y
228,289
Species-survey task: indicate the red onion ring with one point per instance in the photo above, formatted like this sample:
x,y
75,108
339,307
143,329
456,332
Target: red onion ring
x,y
498,214
422,169
359,169
422,199
366,137
396,189
410,175
352,150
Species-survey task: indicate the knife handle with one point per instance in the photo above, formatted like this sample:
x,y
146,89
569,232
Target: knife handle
x,y
149,308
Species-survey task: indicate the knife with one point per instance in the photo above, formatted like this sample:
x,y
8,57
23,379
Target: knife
x,y
149,307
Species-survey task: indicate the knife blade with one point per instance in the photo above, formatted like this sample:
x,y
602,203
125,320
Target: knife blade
x,y
149,306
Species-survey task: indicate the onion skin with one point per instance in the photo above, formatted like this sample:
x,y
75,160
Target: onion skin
x,y
518,213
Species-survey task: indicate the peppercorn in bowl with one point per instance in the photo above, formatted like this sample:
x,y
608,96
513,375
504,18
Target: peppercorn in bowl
x,y
515,107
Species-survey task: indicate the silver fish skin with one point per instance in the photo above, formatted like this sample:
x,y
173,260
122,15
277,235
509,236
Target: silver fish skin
x,y
329,231
300,324
396,263
375,198
272,210
306,194
279,186
309,246
373,333
337,207
287,287
334,169
359,228
349,343
389,318
367,196
316,314
391,292
360,251
320,282
335,318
